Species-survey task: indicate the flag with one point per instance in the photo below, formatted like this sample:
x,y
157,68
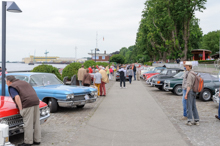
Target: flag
x,y
103,38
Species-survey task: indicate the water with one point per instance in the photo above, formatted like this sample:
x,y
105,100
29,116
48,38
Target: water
x,y
26,67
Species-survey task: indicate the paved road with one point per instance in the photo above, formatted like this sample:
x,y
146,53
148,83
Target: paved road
x,y
129,117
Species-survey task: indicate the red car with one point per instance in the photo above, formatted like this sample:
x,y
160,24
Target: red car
x,y
148,75
10,115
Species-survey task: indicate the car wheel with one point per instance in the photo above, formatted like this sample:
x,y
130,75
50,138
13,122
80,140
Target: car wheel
x,y
53,105
160,88
80,106
178,90
205,95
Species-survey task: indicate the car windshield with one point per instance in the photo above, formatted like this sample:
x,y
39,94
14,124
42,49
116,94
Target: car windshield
x,y
158,70
164,72
44,79
179,75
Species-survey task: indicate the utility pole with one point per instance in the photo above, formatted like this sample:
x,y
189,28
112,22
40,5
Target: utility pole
x,y
96,44
46,55
75,53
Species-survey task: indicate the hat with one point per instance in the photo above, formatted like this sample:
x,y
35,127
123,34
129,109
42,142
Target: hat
x,y
188,63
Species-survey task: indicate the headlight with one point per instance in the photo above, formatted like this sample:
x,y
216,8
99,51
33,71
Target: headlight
x,y
47,110
216,90
69,96
93,93
3,122
43,112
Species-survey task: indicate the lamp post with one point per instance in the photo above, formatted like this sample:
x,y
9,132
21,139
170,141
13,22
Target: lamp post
x,y
11,7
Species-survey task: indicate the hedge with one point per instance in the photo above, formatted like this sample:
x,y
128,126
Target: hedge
x,y
89,63
71,69
47,69
102,64
206,61
148,63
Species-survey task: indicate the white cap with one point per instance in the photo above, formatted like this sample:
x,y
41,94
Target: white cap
x,y
188,63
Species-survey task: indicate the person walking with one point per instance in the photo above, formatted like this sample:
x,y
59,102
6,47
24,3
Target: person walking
x,y
93,69
81,73
138,73
90,70
134,71
184,86
111,73
86,79
103,82
122,73
191,96
97,80
107,71
130,74
27,102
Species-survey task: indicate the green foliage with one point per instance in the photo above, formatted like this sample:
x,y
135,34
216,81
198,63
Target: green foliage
x,y
148,63
118,58
47,69
102,64
71,69
206,61
89,63
210,41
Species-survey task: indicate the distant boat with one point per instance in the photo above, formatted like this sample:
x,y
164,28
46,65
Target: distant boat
x,y
31,63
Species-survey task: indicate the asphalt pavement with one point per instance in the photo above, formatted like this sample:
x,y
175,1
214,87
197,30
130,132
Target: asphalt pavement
x,y
128,117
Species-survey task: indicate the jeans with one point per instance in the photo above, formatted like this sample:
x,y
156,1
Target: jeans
x,y
191,107
130,79
184,103
80,83
134,75
122,79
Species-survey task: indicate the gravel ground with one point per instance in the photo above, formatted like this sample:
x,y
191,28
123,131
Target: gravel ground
x,y
63,125
207,134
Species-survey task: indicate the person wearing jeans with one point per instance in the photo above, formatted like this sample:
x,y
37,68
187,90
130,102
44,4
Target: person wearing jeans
x,y
218,116
184,86
134,70
130,73
191,96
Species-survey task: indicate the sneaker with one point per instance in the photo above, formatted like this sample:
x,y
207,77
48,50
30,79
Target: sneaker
x,y
196,123
24,144
36,143
124,87
184,118
217,117
188,123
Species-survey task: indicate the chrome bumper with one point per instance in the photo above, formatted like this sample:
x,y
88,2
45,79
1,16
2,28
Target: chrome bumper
x,y
64,103
19,129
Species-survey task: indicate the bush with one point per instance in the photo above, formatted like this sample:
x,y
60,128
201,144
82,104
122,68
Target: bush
x,y
71,69
89,63
206,61
47,69
102,64
118,58
148,63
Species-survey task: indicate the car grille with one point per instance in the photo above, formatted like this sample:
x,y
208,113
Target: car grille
x,y
13,120
76,98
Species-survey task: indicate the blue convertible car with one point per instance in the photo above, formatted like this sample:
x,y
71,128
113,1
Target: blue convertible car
x,y
53,92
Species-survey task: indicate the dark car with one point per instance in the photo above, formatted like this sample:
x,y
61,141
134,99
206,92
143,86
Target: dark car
x,y
211,82
167,73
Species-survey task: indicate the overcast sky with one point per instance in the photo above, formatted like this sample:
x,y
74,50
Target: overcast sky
x,y
59,25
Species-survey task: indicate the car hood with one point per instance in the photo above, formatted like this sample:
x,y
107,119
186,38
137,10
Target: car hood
x,y
164,76
175,79
65,89
8,107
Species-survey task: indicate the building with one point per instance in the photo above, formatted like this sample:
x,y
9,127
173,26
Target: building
x,y
100,57
201,54
39,59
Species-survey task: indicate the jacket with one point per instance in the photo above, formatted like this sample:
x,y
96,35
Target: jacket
x,y
104,76
81,73
86,79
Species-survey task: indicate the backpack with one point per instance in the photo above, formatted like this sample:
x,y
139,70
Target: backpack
x,y
198,84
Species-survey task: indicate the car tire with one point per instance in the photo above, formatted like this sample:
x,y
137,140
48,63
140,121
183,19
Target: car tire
x,y
178,90
205,95
160,88
80,106
52,103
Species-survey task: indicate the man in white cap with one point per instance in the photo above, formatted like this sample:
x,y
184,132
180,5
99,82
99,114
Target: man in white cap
x,y
191,96
184,86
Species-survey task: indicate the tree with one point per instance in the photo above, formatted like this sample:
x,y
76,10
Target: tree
x,y
210,41
89,63
118,58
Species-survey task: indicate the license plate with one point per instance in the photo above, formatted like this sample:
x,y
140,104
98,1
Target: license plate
x,y
86,97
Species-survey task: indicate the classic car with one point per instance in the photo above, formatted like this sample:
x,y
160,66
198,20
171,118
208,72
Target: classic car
x,y
52,91
215,97
167,73
148,75
10,115
211,82
152,70
146,69
117,76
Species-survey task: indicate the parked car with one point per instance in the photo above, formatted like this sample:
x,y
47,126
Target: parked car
x,y
146,69
52,91
153,70
10,115
211,83
148,75
117,76
167,73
